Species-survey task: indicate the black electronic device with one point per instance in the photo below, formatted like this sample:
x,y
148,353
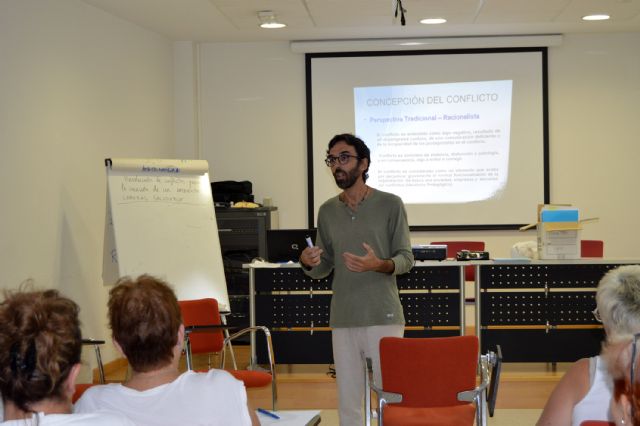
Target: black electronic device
x,y
285,245
472,255
230,191
429,251
492,395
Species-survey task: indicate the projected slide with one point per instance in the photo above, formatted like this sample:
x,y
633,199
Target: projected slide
x,y
460,135
437,143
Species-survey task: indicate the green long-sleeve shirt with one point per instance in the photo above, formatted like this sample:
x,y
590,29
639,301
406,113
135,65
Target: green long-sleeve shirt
x,y
362,299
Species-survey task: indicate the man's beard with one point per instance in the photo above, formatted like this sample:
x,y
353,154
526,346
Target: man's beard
x,y
346,179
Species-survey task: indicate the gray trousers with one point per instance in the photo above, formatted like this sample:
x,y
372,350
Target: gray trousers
x,y
348,344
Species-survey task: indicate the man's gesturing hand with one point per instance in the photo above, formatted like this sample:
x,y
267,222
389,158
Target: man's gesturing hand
x,y
368,262
310,256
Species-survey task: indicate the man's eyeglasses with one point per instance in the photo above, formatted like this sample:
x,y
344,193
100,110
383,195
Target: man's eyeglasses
x,y
342,159
596,315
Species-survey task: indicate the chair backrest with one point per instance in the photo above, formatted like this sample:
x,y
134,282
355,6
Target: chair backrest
x,y
202,312
453,247
591,248
429,372
80,389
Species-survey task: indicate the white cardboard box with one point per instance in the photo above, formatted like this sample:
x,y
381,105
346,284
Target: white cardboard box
x,y
558,244
558,232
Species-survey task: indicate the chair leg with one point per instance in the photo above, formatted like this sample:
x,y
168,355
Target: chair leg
x,y
274,393
272,365
100,366
367,392
381,413
187,350
482,406
223,319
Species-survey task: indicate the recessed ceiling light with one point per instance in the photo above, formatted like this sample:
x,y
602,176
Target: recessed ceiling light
x,y
600,17
268,20
433,21
272,25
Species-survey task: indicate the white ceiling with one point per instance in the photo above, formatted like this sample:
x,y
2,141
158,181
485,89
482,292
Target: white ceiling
x,y
237,20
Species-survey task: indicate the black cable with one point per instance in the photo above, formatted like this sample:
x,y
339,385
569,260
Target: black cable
x,y
332,371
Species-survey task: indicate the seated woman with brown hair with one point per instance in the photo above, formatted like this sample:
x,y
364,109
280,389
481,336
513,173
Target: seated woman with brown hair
x,y
40,347
585,391
147,329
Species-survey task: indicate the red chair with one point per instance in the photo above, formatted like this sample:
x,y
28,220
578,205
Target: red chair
x,y
80,389
591,248
597,423
453,247
205,312
430,382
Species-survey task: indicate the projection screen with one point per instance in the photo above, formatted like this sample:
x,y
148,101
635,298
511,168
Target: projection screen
x,y
460,135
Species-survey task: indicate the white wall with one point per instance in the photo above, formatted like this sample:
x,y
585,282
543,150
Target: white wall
x,y
77,85
594,104
252,117
185,92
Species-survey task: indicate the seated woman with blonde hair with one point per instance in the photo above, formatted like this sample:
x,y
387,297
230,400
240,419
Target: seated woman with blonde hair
x,y
146,324
585,391
40,347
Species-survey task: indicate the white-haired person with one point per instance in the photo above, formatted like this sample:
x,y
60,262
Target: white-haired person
x,y
40,347
585,391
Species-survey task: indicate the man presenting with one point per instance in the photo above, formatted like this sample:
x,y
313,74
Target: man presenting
x,y
363,236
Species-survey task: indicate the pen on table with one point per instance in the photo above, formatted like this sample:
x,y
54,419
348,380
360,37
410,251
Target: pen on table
x,y
308,240
268,413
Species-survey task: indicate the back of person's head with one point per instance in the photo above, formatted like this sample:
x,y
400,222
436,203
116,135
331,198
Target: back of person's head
x,y
362,150
618,301
145,317
40,343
